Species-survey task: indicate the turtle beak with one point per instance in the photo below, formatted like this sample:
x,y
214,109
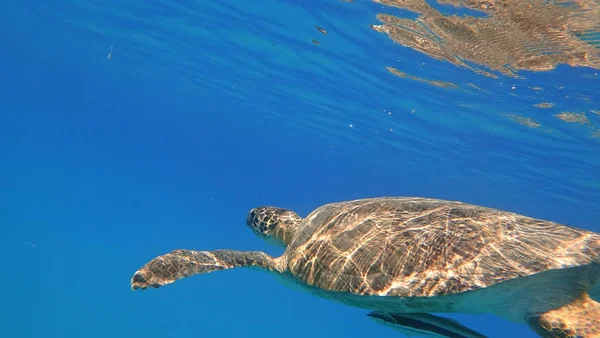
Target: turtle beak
x,y
250,217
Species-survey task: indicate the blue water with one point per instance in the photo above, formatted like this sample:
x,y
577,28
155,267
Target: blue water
x,y
129,129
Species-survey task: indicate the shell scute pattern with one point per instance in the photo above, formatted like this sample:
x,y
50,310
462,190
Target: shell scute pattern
x,y
424,247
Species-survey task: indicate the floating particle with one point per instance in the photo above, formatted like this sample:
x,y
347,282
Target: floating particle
x,y
321,29
438,83
523,120
573,117
545,105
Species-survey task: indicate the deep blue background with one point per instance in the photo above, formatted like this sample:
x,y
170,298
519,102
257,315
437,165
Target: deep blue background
x,y
205,110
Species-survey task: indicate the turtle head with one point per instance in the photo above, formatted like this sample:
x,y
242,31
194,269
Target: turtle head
x,y
273,223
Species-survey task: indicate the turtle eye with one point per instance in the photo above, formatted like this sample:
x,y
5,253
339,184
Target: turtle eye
x,y
263,228
261,221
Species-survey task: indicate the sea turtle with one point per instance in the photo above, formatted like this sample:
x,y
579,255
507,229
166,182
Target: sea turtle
x,y
403,257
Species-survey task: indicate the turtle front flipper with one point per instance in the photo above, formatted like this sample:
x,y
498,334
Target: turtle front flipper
x,y
178,264
578,319
424,325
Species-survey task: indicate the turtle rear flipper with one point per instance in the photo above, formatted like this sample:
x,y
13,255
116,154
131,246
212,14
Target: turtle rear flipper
x,y
424,325
578,319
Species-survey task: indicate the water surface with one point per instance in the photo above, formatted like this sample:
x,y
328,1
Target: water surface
x,y
129,129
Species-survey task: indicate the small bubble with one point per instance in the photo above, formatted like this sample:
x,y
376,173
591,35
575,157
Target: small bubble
x,y
350,126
